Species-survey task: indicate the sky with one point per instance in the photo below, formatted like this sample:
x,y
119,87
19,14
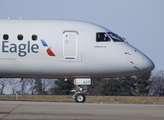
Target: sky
x,y
141,22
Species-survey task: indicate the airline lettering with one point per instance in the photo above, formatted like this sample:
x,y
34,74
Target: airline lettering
x,y
22,49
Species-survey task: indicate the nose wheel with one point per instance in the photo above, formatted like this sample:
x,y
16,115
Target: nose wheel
x,y
80,98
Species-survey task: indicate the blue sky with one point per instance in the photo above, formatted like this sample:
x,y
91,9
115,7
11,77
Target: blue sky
x,y
141,22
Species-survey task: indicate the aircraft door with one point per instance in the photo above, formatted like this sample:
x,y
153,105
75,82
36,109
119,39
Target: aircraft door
x,y
70,39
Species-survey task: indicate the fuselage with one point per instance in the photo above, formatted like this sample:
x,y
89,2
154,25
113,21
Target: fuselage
x,y
66,49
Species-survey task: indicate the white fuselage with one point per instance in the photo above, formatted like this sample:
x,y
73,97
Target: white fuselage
x,y
65,49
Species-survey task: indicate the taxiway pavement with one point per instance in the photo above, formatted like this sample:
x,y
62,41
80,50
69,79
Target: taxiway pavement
x,y
18,110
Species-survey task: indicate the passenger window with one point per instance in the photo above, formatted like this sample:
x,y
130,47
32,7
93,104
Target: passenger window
x,y
34,37
5,36
102,37
20,37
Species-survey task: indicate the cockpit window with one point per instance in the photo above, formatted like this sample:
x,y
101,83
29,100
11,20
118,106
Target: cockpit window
x,y
102,37
115,37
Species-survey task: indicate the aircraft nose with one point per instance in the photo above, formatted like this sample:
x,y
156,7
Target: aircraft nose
x,y
148,64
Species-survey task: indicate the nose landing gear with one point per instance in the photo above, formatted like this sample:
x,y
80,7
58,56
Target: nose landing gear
x,y
79,95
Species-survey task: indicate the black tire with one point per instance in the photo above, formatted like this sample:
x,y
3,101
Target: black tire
x,y
80,98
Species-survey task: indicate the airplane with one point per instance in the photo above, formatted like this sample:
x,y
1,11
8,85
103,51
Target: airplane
x,y
66,49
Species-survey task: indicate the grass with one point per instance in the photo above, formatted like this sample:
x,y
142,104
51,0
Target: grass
x,y
89,99
126,99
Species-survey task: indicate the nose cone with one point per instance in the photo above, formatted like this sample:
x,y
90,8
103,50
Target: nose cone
x,y
148,64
